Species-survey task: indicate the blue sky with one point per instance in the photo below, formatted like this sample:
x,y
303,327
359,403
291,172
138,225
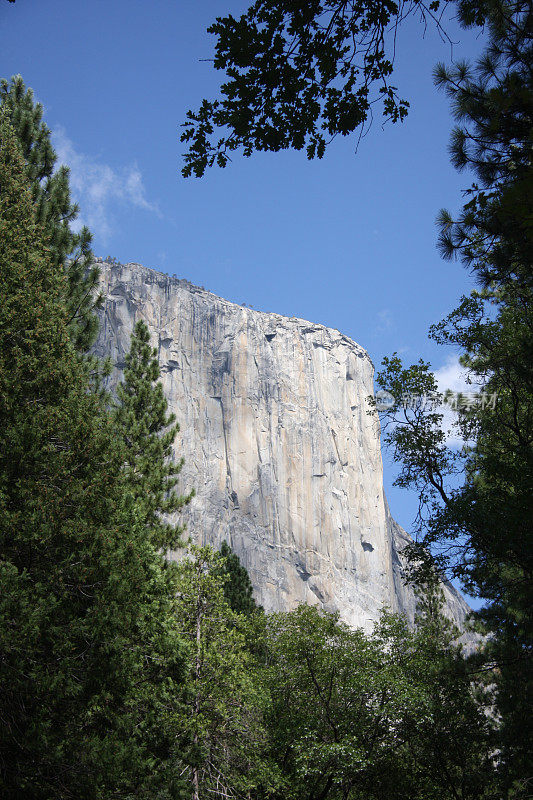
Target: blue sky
x,y
348,241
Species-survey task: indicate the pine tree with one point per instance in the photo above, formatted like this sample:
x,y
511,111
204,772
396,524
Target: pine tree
x,y
492,102
91,659
148,433
238,589
55,211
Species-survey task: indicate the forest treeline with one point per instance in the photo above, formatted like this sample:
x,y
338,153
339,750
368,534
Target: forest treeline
x,y
124,674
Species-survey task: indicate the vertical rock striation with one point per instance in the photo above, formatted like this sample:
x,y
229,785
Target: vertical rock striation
x,y
277,442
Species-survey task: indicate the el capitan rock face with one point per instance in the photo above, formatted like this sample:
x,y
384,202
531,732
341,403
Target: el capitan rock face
x,y
277,442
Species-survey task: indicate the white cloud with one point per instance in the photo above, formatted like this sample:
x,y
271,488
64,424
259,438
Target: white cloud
x,y
96,187
385,320
453,376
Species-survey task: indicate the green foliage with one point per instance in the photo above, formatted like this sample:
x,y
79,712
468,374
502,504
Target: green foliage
x,y
389,715
222,733
91,656
493,103
331,713
415,430
54,210
148,433
478,499
298,74
125,676
492,510
238,589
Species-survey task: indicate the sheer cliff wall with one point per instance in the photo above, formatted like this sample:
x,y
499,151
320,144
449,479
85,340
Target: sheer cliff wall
x,y
277,442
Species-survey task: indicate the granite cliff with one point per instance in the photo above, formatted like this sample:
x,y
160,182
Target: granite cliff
x,y
277,442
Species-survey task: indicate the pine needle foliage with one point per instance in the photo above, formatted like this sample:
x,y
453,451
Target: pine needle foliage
x,y
90,654
148,433
54,209
492,103
238,589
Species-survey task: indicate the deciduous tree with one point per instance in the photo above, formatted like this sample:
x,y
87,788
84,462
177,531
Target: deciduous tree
x,y
225,695
383,716
299,74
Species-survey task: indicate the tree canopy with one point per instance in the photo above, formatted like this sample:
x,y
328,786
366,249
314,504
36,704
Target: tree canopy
x,y
125,675
297,76
54,209
476,500
91,654
238,589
